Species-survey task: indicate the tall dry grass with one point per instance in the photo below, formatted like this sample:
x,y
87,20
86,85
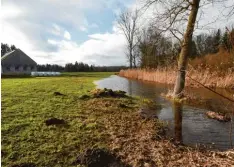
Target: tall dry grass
x,y
210,79
162,75
221,62
215,70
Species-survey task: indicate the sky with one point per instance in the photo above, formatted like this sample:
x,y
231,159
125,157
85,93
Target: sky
x,y
60,32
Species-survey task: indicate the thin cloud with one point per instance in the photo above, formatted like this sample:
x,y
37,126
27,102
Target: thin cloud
x,y
67,35
83,28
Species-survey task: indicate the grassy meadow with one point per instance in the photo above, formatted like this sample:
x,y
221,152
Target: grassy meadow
x,y
27,103
105,122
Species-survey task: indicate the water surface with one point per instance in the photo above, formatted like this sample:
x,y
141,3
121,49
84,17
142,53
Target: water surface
x,y
187,124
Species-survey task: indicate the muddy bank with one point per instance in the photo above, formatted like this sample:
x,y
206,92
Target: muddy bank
x,y
139,141
96,157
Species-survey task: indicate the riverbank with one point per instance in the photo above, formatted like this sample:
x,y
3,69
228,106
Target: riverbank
x,y
168,76
50,121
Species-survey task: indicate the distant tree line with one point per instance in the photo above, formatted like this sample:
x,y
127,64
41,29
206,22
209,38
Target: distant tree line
x,y
154,49
78,67
5,48
50,67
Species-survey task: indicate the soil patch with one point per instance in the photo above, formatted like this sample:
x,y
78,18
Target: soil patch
x,y
99,158
84,97
58,94
54,121
108,93
122,105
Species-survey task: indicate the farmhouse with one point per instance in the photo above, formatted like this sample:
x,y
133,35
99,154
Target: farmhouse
x,y
17,62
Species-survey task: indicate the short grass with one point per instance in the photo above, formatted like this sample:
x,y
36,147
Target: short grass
x,y
28,102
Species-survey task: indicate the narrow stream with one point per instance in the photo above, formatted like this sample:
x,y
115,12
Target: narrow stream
x,y
187,124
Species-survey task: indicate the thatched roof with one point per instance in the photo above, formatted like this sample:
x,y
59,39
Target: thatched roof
x,y
17,58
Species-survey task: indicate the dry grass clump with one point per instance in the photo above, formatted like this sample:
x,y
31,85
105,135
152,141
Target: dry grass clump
x,y
219,117
138,142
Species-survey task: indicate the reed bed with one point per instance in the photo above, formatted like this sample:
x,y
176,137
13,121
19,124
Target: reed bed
x,y
168,76
212,70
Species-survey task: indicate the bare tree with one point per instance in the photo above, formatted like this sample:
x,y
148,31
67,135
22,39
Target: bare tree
x,y
186,45
171,19
171,16
156,50
127,23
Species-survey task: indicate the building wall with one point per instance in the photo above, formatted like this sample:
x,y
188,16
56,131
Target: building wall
x,y
19,70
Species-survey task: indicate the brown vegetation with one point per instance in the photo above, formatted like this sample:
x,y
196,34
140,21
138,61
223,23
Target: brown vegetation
x,y
138,143
213,70
214,115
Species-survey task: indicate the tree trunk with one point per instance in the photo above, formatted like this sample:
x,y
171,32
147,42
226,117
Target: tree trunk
x,y
134,61
130,61
130,57
184,53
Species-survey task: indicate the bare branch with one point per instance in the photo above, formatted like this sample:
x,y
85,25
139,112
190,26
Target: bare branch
x,y
127,23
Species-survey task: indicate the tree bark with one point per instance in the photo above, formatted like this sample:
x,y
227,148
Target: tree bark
x,y
134,61
183,58
130,59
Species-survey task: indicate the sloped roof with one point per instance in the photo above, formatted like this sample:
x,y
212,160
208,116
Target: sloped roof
x,y
17,57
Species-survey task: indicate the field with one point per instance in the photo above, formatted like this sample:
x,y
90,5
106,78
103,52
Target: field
x,y
27,103
106,122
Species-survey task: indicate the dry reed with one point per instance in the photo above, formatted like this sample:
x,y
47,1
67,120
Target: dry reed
x,y
210,79
214,70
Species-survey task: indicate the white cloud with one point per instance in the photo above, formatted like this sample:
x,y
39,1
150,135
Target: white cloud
x,y
10,11
56,30
67,35
52,42
83,28
100,49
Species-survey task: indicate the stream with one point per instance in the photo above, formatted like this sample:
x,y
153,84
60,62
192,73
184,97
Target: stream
x,y
186,124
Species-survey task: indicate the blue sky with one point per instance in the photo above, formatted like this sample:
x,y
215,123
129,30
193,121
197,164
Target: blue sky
x,y
63,31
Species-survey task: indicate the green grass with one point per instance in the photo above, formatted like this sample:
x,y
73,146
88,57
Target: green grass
x,y
88,74
28,102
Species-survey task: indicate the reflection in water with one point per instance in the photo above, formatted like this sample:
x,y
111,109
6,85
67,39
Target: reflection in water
x,y
177,108
130,87
195,127
231,132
